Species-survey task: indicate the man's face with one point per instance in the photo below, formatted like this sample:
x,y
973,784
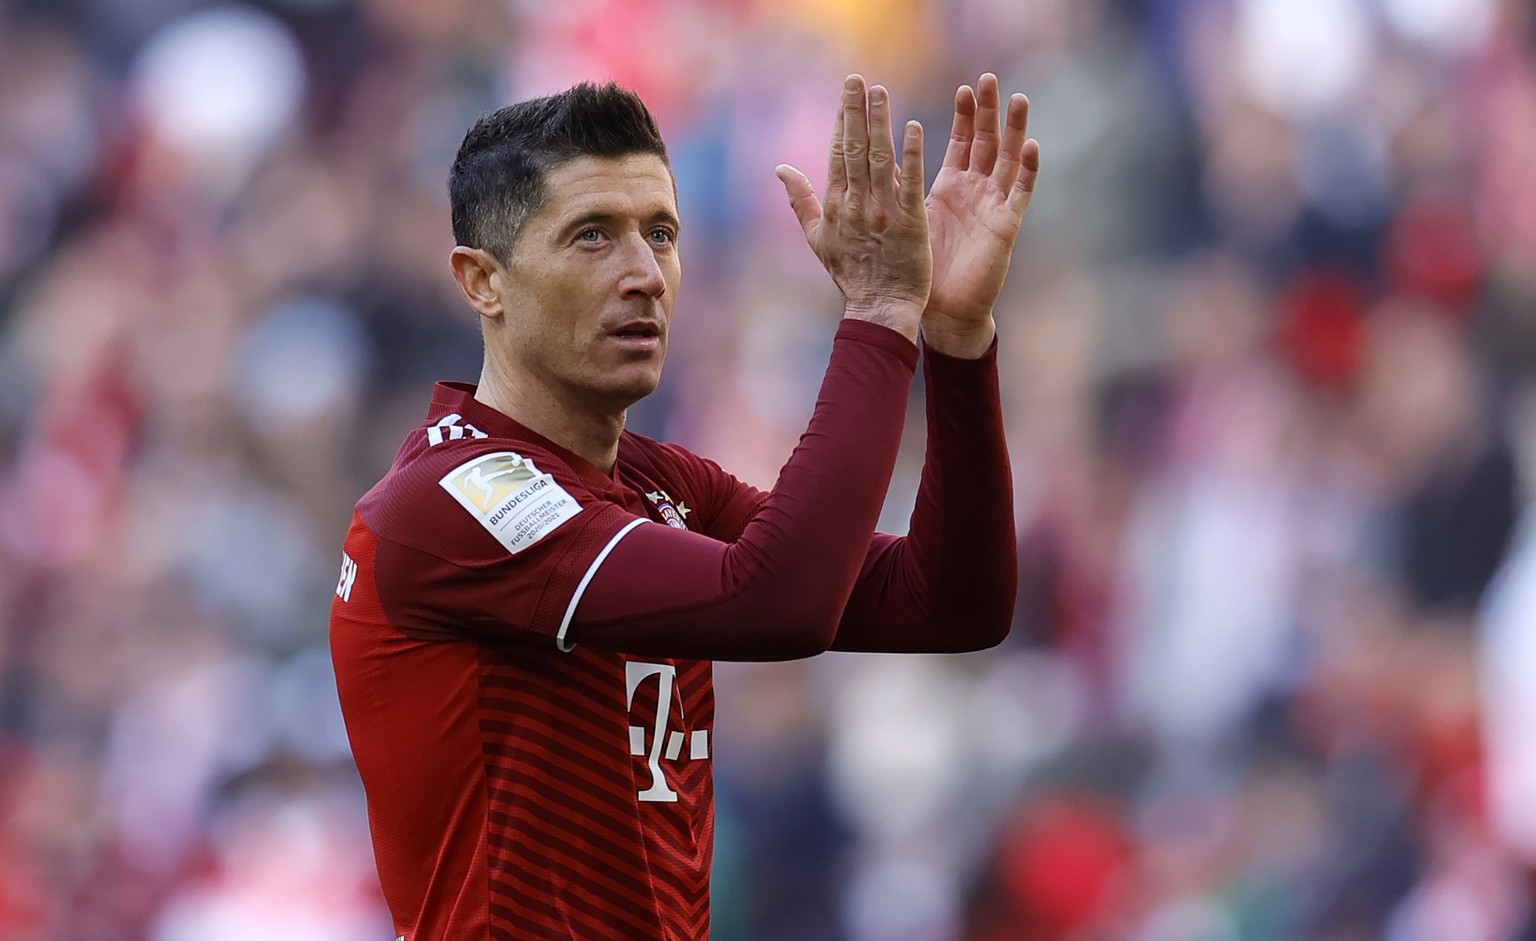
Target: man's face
x,y
593,279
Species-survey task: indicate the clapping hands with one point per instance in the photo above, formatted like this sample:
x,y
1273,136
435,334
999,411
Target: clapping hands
x,y
888,249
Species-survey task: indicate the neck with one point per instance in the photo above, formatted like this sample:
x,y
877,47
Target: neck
x,y
590,433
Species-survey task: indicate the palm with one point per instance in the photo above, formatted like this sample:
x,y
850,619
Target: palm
x,y
977,204
972,230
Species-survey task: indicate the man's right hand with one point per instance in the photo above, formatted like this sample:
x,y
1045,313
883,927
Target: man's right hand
x,y
872,232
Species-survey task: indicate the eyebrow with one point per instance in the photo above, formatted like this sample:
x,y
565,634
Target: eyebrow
x,y
588,218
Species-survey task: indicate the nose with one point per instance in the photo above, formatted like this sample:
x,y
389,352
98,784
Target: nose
x,y
642,271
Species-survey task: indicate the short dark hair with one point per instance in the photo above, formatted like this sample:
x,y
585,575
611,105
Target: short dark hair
x,y
497,181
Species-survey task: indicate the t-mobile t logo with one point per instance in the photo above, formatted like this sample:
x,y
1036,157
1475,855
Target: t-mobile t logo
x,y
636,673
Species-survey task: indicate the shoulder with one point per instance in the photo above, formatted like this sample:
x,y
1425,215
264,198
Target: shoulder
x,y
463,496
455,463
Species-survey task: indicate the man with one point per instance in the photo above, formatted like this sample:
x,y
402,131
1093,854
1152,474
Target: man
x,y
531,597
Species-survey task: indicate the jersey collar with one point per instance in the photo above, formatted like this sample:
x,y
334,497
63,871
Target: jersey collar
x,y
451,397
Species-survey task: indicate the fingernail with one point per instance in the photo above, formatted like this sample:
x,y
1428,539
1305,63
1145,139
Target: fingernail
x,y
877,95
853,83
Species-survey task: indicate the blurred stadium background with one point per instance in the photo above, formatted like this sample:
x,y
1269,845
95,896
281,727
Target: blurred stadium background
x,y
1270,359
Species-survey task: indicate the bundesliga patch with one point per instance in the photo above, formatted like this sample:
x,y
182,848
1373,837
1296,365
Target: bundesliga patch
x,y
672,512
514,500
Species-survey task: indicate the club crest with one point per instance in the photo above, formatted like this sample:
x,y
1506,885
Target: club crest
x,y
672,512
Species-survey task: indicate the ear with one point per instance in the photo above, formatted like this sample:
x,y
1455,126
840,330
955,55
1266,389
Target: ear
x,y
478,274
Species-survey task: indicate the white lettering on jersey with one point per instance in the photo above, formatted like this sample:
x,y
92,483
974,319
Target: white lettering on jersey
x,y
449,429
348,576
515,501
663,741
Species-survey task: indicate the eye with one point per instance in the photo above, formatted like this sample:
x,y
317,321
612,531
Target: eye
x,y
663,236
590,235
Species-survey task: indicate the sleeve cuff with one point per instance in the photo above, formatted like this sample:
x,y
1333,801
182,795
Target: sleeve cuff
x,y
944,361
873,334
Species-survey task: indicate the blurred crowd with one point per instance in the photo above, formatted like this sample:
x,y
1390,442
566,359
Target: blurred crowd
x,y
1269,353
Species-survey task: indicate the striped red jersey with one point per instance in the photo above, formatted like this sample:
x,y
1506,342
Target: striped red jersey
x,y
525,779
520,786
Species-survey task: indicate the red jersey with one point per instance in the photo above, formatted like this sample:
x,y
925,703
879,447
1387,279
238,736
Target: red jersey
x,y
520,639
557,793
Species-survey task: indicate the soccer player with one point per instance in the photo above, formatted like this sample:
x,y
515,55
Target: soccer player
x,y
531,597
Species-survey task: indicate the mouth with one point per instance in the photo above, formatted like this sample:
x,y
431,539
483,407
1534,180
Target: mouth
x,y
638,330
639,334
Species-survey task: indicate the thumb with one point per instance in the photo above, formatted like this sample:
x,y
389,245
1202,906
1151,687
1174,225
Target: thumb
x,y
802,198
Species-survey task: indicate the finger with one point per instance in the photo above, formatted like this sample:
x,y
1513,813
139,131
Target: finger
x,y
1023,189
958,154
882,149
1014,130
855,136
837,169
984,147
911,179
802,196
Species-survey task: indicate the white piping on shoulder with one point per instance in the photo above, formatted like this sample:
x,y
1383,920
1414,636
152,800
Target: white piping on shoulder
x,y
581,587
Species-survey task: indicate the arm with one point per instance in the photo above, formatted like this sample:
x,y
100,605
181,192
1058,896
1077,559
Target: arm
x,y
950,584
778,591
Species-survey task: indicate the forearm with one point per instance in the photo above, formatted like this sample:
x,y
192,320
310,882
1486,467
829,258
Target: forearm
x,y
949,585
777,592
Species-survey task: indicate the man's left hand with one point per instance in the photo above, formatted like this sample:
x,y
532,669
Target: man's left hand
x,y
975,208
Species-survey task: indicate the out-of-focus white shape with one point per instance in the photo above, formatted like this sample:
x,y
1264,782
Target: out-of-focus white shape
x,y
900,898
1025,708
1209,571
1508,683
1299,57
169,743
300,362
291,867
1449,27
220,86
1189,919
896,744
1432,912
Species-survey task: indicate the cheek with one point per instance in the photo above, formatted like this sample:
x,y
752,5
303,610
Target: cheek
x,y
554,315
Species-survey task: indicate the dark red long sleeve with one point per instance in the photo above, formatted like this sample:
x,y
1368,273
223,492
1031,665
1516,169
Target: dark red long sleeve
x,y
949,585
778,591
